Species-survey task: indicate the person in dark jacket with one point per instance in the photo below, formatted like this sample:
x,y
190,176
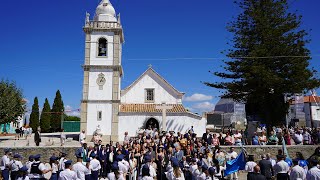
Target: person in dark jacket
x,y
256,175
37,137
266,167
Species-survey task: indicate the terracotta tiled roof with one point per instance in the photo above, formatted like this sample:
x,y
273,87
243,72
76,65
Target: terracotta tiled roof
x,y
151,108
308,99
312,99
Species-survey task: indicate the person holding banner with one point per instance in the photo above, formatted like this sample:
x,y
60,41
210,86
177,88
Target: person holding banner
x,y
231,155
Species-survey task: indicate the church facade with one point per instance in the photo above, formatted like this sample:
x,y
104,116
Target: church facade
x,y
150,101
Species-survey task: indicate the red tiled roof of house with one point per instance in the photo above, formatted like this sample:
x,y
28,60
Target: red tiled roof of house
x,y
312,99
151,108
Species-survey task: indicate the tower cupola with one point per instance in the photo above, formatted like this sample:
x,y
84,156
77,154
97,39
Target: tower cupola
x,y
105,12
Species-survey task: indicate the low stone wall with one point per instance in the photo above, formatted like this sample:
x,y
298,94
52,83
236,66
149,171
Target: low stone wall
x,y
47,152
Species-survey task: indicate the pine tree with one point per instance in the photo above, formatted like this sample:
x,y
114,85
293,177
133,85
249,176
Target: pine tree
x,y
45,117
34,116
269,59
57,111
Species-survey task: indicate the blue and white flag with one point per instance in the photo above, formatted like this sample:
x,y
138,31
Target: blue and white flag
x,y
236,164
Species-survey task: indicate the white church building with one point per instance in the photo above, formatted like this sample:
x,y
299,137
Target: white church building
x,y
148,101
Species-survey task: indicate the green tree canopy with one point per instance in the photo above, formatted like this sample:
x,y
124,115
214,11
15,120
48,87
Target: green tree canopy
x,y
34,116
57,112
45,117
12,104
269,58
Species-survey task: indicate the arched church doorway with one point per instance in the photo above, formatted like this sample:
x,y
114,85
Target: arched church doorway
x,y
153,123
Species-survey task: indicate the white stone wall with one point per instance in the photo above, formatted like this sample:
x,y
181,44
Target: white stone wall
x,y
94,92
162,93
94,59
131,123
92,118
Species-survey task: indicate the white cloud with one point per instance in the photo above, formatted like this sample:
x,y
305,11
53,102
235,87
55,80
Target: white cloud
x,y
197,97
71,112
203,106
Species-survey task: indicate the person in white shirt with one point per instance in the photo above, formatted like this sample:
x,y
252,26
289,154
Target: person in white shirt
x,y
273,162
146,173
115,174
63,137
237,138
314,172
298,138
5,164
79,168
123,165
29,162
282,168
15,166
297,172
147,161
82,137
175,173
54,166
68,174
38,169
249,167
126,138
62,161
96,166
194,168
23,173
230,156
205,173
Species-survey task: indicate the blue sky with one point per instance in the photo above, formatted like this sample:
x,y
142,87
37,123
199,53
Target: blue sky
x,y
42,44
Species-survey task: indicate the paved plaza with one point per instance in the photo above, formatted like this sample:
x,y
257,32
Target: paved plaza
x,y
47,139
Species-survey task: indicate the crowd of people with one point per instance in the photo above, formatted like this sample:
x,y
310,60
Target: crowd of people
x,y
160,155
291,136
23,132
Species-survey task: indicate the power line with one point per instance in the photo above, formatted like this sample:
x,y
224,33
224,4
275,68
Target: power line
x,y
218,58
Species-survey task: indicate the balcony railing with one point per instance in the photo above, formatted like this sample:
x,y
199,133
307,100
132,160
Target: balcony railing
x,y
102,25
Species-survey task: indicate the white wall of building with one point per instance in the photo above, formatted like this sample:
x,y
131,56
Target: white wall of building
x,y
92,118
132,123
313,113
162,93
94,59
94,92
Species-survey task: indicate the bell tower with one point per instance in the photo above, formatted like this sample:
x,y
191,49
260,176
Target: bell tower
x,y
102,73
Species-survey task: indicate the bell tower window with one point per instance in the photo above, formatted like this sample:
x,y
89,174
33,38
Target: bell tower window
x,y
102,47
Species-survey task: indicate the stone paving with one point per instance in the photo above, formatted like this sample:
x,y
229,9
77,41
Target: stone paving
x,y
47,139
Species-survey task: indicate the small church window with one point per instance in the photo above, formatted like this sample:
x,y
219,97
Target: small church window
x,y
99,115
102,47
149,93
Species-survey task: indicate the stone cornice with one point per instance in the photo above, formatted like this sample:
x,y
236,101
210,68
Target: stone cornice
x,y
100,101
96,26
114,68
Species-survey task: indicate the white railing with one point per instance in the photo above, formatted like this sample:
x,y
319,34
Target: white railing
x,y
102,25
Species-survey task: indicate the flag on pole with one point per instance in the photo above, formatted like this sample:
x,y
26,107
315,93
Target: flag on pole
x,y
285,152
236,164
